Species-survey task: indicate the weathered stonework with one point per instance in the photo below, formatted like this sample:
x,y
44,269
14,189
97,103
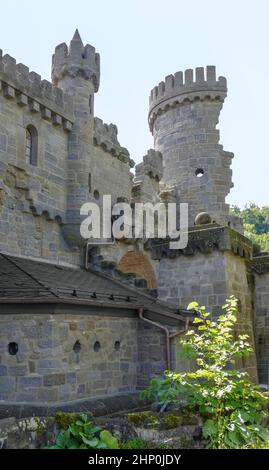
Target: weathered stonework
x,y
39,205
183,115
259,267
48,369
78,341
209,277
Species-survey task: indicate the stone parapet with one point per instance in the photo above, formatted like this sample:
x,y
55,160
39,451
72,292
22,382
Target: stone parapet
x,y
259,264
204,240
186,87
28,89
106,137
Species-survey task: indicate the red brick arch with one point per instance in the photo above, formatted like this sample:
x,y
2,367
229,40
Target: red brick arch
x,y
138,263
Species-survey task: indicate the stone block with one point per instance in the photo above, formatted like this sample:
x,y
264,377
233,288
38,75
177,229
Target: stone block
x,y
22,99
34,106
3,142
56,120
48,395
9,92
17,370
71,377
49,365
67,125
46,113
3,370
7,384
53,379
29,382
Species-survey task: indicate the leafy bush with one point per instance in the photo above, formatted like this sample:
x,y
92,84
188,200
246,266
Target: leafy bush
x,y
232,406
83,434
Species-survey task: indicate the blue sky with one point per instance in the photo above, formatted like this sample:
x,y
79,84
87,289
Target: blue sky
x,y
141,42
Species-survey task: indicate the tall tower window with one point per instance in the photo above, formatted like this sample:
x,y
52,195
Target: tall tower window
x,y
91,104
31,145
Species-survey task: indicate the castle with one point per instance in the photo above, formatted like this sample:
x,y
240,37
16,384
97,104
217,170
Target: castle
x,y
80,321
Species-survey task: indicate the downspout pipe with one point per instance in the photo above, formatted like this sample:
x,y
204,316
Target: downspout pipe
x,y
168,336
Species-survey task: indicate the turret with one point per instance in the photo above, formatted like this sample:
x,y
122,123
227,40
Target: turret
x,y
76,61
77,70
184,112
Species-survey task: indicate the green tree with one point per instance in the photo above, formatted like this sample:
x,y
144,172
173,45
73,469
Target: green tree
x,y
256,223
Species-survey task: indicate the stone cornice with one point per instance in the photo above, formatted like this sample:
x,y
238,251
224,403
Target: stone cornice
x,y
259,264
204,240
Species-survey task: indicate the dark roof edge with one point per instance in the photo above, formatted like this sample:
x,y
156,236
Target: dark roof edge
x,y
92,304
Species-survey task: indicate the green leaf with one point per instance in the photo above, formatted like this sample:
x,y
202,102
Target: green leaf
x,y
235,438
193,306
110,441
210,428
91,442
63,439
262,432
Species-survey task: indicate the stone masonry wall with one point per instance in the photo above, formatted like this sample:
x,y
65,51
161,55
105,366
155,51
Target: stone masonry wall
x,y
209,279
262,325
187,278
69,357
46,368
37,201
32,198
151,353
237,284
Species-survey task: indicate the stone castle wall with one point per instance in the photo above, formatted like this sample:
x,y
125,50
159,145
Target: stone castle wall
x,y
68,357
261,301
187,278
210,279
37,200
79,159
238,285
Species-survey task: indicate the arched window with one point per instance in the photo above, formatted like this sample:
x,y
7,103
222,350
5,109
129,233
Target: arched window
x,y
31,145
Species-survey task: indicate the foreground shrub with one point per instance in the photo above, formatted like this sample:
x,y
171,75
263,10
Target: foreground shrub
x,y
83,434
233,406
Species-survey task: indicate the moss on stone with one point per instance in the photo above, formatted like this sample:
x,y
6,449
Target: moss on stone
x,y
40,426
143,418
64,420
171,420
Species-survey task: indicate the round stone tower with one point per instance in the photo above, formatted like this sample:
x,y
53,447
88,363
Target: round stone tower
x,y
184,112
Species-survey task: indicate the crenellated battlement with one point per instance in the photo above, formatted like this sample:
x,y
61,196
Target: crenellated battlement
x,y
151,166
28,89
106,137
76,60
198,84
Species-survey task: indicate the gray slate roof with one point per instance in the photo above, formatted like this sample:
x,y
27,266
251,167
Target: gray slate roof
x,y
30,281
